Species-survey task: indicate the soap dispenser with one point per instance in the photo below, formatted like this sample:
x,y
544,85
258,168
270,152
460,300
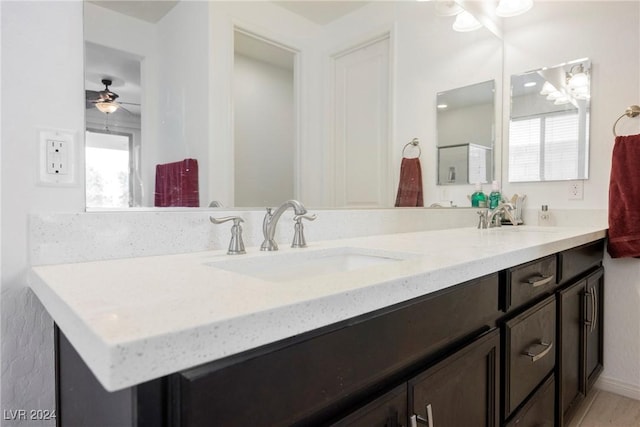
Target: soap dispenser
x,y
495,197
478,198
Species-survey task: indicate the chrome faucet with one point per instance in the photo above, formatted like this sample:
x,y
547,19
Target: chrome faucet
x,y
495,220
271,220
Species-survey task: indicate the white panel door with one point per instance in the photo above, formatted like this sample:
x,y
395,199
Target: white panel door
x,y
361,124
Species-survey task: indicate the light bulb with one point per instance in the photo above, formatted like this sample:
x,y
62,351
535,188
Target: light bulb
x,y
466,22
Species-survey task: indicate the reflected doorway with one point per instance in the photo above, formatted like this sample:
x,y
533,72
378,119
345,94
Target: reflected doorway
x,y
264,108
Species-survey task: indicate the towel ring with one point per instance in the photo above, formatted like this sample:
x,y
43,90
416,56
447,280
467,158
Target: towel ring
x,y
414,142
632,111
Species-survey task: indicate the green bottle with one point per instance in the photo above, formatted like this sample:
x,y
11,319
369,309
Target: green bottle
x,y
495,197
478,199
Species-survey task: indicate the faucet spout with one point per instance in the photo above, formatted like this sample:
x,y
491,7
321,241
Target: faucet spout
x,y
271,221
494,219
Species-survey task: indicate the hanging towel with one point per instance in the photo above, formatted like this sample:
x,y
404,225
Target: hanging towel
x,y
624,198
410,186
177,184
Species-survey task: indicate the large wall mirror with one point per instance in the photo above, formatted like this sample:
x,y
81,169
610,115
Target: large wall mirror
x,y
246,104
466,134
549,123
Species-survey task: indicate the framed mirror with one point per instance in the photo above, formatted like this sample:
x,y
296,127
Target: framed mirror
x,y
549,123
175,68
466,134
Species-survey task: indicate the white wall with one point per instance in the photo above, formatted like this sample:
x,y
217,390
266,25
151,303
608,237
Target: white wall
x,y
264,130
40,57
183,89
608,32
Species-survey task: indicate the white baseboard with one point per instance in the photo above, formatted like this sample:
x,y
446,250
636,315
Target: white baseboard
x,y
618,387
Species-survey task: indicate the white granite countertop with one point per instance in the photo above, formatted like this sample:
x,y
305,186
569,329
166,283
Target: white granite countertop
x,y
133,320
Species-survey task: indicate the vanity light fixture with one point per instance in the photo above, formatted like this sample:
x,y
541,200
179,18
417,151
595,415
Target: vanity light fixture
x,y
466,22
107,107
577,77
442,106
547,88
509,8
447,8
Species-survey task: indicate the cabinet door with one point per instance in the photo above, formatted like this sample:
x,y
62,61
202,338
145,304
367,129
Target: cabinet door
x,y
461,390
570,352
594,314
389,410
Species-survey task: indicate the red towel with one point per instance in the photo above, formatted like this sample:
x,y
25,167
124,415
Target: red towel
x,y
624,198
177,184
410,186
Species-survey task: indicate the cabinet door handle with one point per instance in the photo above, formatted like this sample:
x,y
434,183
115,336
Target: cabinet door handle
x,y
595,308
592,322
415,418
541,280
537,356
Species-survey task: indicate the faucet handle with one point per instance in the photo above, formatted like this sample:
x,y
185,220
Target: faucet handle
x,y
298,236
482,220
236,245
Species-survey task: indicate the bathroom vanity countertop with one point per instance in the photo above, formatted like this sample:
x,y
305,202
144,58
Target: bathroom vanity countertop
x,y
136,319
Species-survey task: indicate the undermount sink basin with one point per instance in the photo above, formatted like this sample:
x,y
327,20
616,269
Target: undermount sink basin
x,y
305,263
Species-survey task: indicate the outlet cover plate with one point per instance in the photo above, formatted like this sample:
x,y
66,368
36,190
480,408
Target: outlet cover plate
x,y
576,190
57,157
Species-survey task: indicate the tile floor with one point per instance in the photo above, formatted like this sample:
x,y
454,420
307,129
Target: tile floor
x,y
605,409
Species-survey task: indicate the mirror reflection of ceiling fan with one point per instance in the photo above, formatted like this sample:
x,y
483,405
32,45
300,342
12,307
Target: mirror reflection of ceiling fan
x,y
105,100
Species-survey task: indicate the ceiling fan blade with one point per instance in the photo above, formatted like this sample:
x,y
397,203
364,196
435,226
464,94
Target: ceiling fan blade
x,y
128,103
92,95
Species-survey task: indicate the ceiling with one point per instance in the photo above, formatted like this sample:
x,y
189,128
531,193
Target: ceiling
x,y
320,12
145,10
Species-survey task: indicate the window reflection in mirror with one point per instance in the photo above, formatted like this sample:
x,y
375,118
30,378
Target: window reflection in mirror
x,y
549,123
466,132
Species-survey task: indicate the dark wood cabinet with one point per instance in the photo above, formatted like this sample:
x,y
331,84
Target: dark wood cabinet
x,y
540,409
502,350
530,349
460,391
580,327
388,410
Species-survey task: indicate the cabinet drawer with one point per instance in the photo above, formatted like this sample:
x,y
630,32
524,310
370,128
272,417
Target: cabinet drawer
x,y
539,410
573,262
530,351
526,282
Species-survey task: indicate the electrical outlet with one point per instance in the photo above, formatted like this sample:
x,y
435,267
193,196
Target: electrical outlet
x,y
576,190
57,159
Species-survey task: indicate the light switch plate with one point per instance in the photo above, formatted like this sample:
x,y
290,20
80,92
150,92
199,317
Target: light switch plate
x,y
57,157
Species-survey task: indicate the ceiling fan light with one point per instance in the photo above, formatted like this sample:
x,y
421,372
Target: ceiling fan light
x,y
466,22
107,107
509,8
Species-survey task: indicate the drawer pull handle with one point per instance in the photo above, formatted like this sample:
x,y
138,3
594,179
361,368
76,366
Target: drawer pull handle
x,y
537,356
415,418
539,280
